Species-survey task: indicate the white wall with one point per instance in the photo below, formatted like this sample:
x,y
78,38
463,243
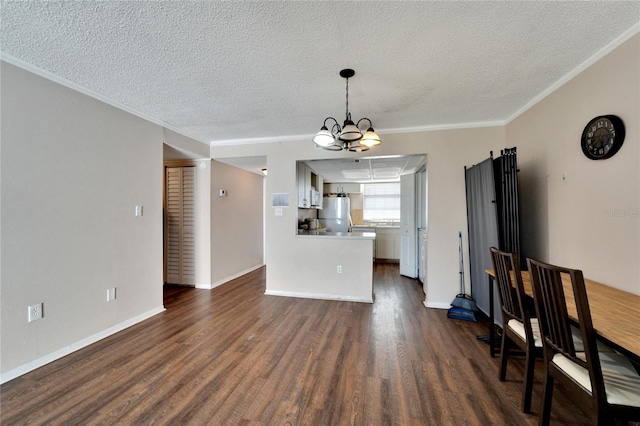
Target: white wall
x,y
590,219
185,144
301,265
203,223
236,222
72,171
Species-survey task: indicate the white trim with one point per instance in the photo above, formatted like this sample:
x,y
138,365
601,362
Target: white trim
x,y
635,29
10,59
269,139
204,286
436,305
297,138
229,278
30,366
317,296
437,127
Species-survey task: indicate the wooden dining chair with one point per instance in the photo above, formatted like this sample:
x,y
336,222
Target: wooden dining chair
x,y
606,382
519,329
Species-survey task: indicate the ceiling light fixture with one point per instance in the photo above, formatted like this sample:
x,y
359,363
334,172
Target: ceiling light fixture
x,y
349,136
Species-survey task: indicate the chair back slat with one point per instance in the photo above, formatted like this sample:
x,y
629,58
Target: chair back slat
x,y
560,325
510,288
551,306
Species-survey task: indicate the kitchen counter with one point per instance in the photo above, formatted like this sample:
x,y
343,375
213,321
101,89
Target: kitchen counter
x,y
377,226
339,235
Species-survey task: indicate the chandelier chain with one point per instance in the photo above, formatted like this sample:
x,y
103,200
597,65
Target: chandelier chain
x,y
347,103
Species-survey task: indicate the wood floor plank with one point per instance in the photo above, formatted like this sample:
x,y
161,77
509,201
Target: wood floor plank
x,y
235,356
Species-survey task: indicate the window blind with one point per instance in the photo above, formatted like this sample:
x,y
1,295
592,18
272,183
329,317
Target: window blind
x,y
381,202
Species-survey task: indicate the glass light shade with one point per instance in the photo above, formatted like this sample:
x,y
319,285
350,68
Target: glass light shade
x,y
324,138
350,132
357,147
370,138
337,147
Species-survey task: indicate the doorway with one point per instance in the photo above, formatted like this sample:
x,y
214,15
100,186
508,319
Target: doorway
x,y
179,225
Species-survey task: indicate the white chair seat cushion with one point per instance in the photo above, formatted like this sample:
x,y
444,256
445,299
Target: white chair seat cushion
x,y
621,381
518,328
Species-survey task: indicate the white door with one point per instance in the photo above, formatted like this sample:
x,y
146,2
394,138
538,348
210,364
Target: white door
x,y
408,258
180,232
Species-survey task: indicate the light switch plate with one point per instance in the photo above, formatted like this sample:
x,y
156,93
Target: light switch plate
x,y
111,294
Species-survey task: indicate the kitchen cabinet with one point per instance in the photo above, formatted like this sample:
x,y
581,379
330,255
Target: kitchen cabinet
x,y
304,185
317,183
309,187
388,243
346,188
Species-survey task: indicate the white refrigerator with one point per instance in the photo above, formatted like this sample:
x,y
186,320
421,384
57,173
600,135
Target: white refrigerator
x,y
335,215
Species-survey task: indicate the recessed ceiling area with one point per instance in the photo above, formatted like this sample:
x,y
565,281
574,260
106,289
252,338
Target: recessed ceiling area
x,y
367,169
238,72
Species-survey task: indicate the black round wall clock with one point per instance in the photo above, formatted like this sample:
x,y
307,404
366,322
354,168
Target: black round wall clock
x,y
602,137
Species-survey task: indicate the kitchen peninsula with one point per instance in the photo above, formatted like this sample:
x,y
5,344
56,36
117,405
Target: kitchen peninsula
x,y
337,266
338,260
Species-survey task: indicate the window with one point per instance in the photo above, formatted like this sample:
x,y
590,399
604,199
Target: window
x,y
381,202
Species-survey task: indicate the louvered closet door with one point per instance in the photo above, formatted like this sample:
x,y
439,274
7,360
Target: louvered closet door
x,y
180,211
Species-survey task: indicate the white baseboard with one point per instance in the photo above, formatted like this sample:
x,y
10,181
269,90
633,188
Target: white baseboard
x,y
30,366
436,305
318,296
230,278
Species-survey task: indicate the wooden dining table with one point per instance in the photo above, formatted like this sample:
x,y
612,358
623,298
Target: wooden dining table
x,y
615,313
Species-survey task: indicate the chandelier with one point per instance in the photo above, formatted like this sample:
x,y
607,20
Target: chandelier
x,y
349,136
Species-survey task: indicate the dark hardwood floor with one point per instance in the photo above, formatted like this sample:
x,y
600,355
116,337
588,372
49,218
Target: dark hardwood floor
x,y
235,356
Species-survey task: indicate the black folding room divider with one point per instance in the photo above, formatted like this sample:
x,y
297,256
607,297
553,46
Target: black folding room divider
x,y
505,169
493,219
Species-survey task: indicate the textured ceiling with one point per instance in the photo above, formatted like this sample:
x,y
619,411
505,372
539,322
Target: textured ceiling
x,y
225,71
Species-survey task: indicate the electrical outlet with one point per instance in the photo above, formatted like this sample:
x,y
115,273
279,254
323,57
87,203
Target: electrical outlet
x,y
339,269
35,312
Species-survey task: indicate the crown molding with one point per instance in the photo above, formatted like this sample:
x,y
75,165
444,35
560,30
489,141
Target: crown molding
x,y
10,59
608,48
270,139
438,127
294,138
